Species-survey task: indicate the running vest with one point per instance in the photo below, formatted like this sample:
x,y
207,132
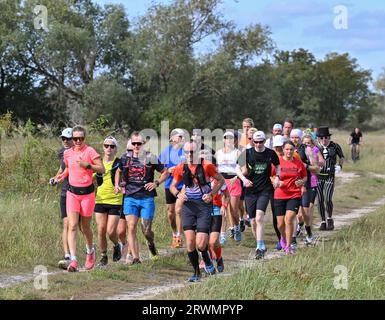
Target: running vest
x,y
115,166
126,160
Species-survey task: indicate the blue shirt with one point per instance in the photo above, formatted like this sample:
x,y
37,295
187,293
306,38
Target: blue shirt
x,y
171,157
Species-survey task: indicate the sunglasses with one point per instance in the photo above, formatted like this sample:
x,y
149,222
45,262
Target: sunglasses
x,y
189,152
259,142
324,138
78,138
65,139
112,146
136,143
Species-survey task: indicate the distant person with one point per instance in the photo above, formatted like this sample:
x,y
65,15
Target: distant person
x,y
66,137
277,130
288,125
355,140
247,123
81,162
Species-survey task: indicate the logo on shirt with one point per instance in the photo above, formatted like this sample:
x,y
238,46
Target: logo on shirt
x,y
260,168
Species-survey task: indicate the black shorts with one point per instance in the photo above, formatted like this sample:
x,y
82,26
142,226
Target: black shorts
x,y
309,197
170,198
283,205
196,215
122,216
110,209
63,207
257,201
216,224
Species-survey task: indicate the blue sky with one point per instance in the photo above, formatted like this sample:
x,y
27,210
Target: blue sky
x,y
306,24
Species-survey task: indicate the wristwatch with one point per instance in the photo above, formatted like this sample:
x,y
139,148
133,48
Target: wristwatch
x,y
157,183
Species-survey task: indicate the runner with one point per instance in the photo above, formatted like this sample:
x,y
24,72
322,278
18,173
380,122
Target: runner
x,y
138,173
108,204
170,157
277,130
227,163
288,192
256,164
80,161
308,199
66,137
197,198
326,179
247,123
288,125
355,140
205,152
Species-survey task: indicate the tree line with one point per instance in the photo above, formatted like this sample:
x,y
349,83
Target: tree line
x,y
93,64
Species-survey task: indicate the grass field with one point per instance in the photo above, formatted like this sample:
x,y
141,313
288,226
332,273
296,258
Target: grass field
x,y
30,235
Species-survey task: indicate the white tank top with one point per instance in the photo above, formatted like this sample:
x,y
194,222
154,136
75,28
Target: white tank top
x,y
227,162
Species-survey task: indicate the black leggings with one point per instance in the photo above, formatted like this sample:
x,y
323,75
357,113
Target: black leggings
x,y
325,189
275,223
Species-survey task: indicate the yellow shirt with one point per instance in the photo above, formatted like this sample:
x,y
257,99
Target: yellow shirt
x,y
105,193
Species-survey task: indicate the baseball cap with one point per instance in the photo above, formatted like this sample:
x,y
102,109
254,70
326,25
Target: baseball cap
x,y
228,133
111,138
67,133
296,133
277,126
176,132
278,141
259,135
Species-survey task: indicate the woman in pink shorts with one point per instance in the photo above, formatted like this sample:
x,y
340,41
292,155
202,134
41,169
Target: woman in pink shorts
x,y
81,162
227,163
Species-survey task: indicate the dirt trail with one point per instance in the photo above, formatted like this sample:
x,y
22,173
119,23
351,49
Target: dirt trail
x,y
235,257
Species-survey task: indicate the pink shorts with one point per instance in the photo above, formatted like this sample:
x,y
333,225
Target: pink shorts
x,y
83,204
236,189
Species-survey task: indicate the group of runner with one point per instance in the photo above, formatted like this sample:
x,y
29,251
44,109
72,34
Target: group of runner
x,y
206,192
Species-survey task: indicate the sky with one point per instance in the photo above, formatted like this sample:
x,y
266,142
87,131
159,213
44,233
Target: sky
x,y
320,26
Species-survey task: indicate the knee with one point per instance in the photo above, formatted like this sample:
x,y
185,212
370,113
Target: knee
x,y
111,232
131,228
259,218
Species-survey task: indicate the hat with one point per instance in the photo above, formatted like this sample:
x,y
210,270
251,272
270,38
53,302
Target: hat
x,y
323,132
259,135
176,132
67,133
278,141
228,133
112,139
277,126
296,133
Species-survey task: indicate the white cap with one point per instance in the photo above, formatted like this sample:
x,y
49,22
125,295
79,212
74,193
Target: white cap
x,y
277,126
228,133
259,135
296,133
177,132
67,133
111,138
278,141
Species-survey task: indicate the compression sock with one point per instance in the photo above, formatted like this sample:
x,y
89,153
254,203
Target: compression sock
x,y
218,252
206,257
194,259
308,231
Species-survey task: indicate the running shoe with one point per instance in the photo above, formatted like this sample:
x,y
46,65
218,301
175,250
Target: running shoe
x,y
259,253
90,260
222,239
231,233
278,246
73,267
220,265
210,269
309,241
63,264
238,235
242,226
282,242
178,242
153,252
289,250
194,278
247,222
322,226
330,224
117,254
103,261
136,261
293,244
299,230
123,250
129,258
173,242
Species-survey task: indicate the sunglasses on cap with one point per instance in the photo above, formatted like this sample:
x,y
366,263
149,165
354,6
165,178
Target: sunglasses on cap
x,y
78,138
112,146
136,143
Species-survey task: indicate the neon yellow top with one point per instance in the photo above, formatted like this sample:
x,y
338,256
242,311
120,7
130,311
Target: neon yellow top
x,y
105,193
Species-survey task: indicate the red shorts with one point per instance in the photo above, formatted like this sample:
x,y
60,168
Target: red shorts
x,y
83,204
236,189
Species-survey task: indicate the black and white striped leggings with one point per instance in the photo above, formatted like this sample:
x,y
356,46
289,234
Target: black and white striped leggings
x,y
325,189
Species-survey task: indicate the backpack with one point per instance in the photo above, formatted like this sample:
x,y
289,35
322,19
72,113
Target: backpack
x,y
126,159
188,177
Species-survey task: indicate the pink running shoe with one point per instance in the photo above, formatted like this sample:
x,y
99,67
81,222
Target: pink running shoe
x,y
90,260
283,242
73,266
289,250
